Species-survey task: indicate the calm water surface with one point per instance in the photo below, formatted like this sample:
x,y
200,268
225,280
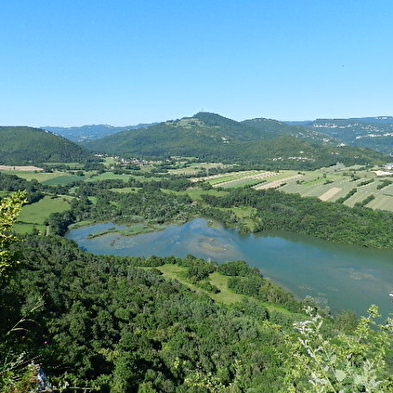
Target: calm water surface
x,y
341,277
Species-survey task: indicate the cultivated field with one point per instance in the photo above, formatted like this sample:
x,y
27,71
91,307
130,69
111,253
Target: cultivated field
x,y
193,169
329,194
28,168
350,186
54,178
328,184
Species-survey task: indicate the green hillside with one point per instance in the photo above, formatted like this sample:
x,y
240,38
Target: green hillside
x,y
277,128
371,132
215,138
27,145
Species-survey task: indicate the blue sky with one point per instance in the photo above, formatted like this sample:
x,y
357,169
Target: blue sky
x,y
122,62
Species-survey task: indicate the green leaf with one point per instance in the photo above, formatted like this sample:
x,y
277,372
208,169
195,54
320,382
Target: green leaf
x,y
340,375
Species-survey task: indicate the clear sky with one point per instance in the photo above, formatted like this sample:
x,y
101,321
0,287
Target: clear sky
x,y
124,62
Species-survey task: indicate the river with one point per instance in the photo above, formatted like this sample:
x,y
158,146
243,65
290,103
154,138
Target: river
x,y
338,276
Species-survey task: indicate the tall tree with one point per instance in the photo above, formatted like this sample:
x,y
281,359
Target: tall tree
x,y
9,210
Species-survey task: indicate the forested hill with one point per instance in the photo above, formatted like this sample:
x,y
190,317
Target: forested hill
x,y
371,132
27,145
90,132
212,137
277,128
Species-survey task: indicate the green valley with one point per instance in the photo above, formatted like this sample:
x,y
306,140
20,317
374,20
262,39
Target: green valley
x,y
211,137
168,324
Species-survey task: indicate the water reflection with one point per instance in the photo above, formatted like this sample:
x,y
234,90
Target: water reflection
x,y
344,277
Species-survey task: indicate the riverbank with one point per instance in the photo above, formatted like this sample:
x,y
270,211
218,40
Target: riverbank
x,y
338,276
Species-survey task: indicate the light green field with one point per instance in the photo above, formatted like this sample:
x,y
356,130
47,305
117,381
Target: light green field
x,y
240,179
25,229
357,198
52,179
238,183
382,202
62,180
193,169
387,190
226,296
282,175
146,168
39,176
317,183
32,217
195,194
109,161
108,176
313,185
346,184
36,213
230,177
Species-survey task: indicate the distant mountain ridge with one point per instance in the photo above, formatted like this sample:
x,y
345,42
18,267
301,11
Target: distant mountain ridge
x,y
212,137
28,145
371,132
279,128
207,136
90,132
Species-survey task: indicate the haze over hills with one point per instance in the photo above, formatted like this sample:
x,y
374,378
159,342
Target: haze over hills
x,y
279,128
370,132
212,137
90,132
27,145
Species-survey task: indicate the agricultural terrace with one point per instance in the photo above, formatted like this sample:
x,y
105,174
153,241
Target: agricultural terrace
x,y
349,186
355,186
185,168
27,168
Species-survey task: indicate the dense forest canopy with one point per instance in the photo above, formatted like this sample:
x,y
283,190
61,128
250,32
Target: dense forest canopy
x,y
27,145
329,221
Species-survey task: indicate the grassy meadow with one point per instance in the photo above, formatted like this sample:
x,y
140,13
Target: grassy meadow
x,y
53,178
34,215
